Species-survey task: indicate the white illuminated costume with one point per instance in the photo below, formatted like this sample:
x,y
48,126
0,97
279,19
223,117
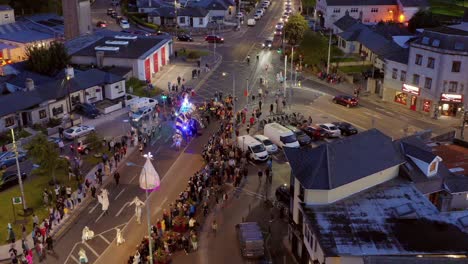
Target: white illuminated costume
x,y
119,237
138,206
86,234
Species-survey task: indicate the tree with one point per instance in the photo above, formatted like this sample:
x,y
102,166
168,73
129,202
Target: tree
x,y
423,19
47,60
46,155
295,29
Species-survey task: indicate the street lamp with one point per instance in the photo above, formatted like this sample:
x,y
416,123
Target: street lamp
x,y
20,181
147,189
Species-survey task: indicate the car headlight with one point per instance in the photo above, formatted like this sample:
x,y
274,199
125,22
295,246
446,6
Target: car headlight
x,y
263,44
269,45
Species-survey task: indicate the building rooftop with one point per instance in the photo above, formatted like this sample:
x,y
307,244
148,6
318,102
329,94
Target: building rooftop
x,y
135,49
28,30
393,218
345,22
5,7
359,2
455,157
332,165
414,3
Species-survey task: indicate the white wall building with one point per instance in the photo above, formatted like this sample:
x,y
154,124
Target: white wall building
x,y
7,15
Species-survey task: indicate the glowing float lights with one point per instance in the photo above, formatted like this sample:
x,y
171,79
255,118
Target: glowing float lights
x,y
186,106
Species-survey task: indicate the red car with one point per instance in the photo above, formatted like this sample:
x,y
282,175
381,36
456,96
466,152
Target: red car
x,y
315,133
345,100
214,39
101,24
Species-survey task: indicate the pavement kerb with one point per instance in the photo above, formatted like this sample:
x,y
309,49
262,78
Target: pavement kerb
x,y
59,230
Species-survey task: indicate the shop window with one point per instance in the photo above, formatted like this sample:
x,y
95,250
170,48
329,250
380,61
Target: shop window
x,y
430,63
354,10
401,98
428,83
416,79
456,65
394,73
9,121
418,59
453,87
403,76
427,106
374,10
42,114
57,110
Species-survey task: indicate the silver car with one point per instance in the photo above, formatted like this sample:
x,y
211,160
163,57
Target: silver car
x,y
77,131
140,113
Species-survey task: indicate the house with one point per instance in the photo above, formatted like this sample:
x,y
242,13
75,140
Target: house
x,y
163,16
368,11
144,55
7,15
194,17
29,103
431,79
349,204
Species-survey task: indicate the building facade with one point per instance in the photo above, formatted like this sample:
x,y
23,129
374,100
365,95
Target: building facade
x,y
77,15
7,15
434,80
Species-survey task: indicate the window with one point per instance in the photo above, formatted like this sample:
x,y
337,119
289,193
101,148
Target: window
x,y
416,79
374,10
336,10
394,73
453,87
430,63
433,166
425,40
91,93
459,46
7,16
182,20
9,121
119,88
456,65
200,21
42,114
428,83
403,76
301,192
343,44
418,60
75,99
435,43
57,110
354,10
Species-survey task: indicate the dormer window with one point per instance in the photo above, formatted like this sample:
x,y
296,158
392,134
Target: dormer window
x,y
433,167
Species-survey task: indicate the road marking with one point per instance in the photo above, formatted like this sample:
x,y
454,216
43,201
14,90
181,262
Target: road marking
x,y
133,178
116,197
74,259
338,118
372,114
99,217
103,238
91,249
121,209
94,208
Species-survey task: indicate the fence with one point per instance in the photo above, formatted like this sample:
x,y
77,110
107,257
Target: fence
x,y
112,108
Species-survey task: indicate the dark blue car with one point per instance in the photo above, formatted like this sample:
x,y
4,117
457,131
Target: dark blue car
x,y
8,159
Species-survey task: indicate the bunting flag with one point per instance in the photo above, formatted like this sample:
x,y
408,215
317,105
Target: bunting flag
x,y
149,177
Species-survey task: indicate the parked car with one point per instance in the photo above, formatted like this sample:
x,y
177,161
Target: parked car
x,y
282,194
101,24
140,113
285,18
77,131
315,133
8,158
124,24
214,39
87,110
10,178
259,12
269,146
267,43
110,11
331,129
257,16
184,37
346,128
240,15
302,137
278,32
345,100
279,25
114,15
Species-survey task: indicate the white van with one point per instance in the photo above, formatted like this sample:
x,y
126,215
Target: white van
x,y
253,147
251,22
270,146
138,103
280,135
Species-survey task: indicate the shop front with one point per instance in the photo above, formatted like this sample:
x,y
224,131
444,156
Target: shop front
x,y
413,93
450,104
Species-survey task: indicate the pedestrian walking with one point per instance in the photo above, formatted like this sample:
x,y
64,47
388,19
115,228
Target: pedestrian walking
x,y
260,175
117,177
271,109
260,104
214,227
178,80
248,129
61,146
141,149
50,243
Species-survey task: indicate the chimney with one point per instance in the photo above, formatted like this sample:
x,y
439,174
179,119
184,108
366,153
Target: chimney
x,y
29,84
99,58
69,72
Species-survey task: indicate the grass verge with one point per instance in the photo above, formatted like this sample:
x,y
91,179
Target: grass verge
x,y
355,68
140,88
448,7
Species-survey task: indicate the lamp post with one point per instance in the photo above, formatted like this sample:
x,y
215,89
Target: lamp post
x,y
148,220
20,181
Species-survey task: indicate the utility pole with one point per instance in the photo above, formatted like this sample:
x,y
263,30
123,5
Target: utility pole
x,y
292,63
329,53
20,180
285,73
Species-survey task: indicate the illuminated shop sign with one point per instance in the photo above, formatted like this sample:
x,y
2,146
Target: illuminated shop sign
x,y
454,98
411,89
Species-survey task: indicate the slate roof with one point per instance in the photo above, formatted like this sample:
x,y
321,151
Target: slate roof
x,y
14,102
456,183
20,79
446,38
392,218
414,3
399,56
5,7
193,12
332,165
359,2
345,22
418,153
134,50
164,11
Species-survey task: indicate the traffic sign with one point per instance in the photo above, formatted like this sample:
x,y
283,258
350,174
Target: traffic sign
x,y
17,200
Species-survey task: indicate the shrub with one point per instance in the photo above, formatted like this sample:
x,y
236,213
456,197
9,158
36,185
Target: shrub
x,y
53,122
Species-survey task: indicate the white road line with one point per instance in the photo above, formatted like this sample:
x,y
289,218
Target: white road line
x,y
91,249
372,115
105,239
121,209
99,217
133,178
116,197
339,118
75,259
94,208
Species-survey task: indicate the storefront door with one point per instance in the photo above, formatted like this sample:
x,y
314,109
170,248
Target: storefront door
x,y
155,62
147,70
163,56
414,99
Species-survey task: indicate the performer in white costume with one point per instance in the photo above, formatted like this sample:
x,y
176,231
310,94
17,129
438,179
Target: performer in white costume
x,y
82,256
138,206
86,234
119,237
103,199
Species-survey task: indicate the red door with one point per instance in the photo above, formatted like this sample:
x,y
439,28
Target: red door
x,y
147,70
163,56
155,62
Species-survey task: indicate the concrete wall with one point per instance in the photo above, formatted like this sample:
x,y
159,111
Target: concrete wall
x,y
330,196
84,14
36,117
19,53
114,90
93,94
7,17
